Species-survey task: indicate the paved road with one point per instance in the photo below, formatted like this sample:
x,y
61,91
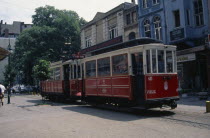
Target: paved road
x,y
28,117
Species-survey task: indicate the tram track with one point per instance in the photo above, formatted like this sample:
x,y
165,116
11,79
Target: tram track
x,y
187,122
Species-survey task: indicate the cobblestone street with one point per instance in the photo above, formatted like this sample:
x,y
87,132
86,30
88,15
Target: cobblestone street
x,y
28,117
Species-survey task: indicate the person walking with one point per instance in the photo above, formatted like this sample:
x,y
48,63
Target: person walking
x,y
2,89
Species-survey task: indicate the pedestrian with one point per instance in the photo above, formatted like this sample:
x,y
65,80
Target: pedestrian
x,y
2,89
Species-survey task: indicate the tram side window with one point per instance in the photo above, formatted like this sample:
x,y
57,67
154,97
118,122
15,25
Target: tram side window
x,y
57,73
51,74
75,71
104,67
71,71
161,63
148,61
120,64
91,69
82,70
154,65
79,71
169,62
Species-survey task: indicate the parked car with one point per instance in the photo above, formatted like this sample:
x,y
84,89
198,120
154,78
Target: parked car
x,y
19,89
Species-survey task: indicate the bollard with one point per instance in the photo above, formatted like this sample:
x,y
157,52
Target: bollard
x,y
207,106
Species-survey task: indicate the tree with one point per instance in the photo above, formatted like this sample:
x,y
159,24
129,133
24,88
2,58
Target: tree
x,y
47,39
9,75
41,71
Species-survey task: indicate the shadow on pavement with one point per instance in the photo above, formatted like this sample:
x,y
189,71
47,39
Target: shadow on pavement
x,y
51,103
119,114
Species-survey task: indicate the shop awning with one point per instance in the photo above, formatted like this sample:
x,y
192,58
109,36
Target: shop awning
x,y
3,53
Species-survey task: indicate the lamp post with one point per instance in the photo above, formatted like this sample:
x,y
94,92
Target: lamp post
x,y
9,75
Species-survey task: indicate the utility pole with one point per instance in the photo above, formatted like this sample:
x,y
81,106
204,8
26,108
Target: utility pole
x,y
9,75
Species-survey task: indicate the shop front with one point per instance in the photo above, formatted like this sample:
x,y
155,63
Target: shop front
x,y
192,68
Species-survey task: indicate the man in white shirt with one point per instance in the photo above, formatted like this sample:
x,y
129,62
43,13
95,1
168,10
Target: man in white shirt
x,y
2,89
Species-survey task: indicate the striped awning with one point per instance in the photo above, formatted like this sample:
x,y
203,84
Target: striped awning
x,y
3,53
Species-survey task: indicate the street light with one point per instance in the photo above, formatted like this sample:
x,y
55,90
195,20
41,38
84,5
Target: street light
x,y
9,75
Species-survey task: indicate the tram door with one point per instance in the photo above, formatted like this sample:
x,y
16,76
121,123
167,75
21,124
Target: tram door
x,y
137,62
66,78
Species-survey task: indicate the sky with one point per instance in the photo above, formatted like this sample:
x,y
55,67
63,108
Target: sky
x,y
22,10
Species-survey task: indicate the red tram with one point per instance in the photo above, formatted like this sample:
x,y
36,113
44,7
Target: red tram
x,y
138,76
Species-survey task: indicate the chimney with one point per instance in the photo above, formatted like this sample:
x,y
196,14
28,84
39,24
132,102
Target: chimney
x,y
133,1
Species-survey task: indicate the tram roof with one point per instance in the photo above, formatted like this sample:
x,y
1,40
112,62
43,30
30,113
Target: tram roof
x,y
132,49
140,41
127,44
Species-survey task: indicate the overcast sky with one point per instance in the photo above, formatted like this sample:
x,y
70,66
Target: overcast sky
x,y
22,10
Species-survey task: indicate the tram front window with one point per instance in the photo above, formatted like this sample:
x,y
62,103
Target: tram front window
x,y
169,62
154,64
161,63
148,61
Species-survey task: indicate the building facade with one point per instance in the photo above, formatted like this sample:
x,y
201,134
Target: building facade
x,y
152,22
186,25
115,26
8,35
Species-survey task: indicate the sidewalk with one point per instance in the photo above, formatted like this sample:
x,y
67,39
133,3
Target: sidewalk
x,y
192,101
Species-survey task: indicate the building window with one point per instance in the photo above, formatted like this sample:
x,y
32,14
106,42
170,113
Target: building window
x,y
87,41
177,18
188,16
157,26
147,31
113,32
128,19
155,2
133,17
198,7
145,3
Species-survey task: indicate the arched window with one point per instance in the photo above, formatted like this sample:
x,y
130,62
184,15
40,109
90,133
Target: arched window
x,y
132,36
147,31
157,27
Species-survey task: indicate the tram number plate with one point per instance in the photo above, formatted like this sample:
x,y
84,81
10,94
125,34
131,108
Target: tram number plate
x,y
151,91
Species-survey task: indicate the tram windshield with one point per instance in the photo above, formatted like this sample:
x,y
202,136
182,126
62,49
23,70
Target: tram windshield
x,y
160,61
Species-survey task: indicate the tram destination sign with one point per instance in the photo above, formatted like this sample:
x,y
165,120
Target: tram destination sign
x,y
177,34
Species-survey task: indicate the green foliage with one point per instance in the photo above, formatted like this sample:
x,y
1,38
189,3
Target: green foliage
x,y
9,75
41,71
47,39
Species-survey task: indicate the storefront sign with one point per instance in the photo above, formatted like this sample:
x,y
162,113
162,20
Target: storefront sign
x,y
177,34
191,50
184,58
